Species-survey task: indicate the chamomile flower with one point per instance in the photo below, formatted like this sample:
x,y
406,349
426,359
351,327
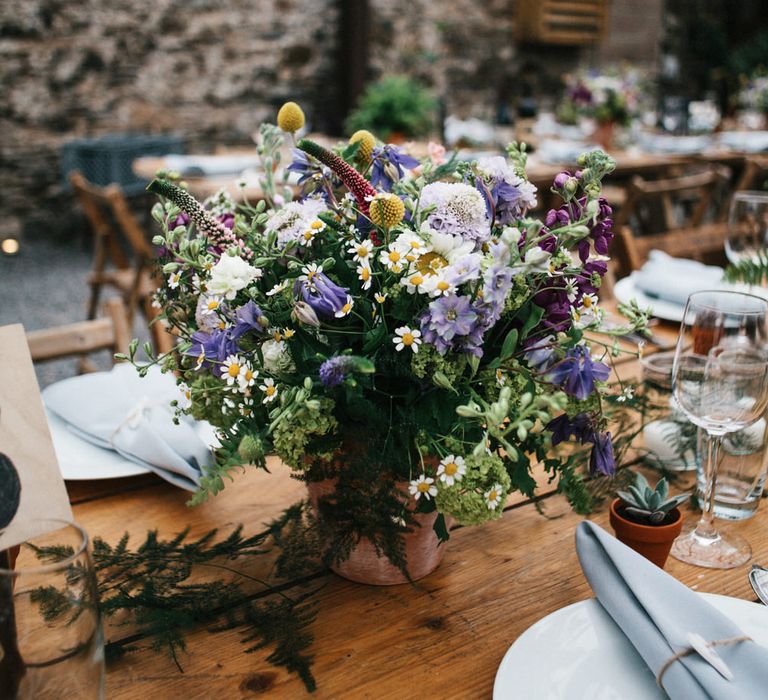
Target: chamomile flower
x,y
278,288
407,338
174,279
346,308
269,389
414,283
393,258
493,496
451,469
247,377
185,398
310,271
571,288
501,378
412,245
589,302
210,306
308,235
365,275
361,251
288,333
436,285
233,365
380,298
423,486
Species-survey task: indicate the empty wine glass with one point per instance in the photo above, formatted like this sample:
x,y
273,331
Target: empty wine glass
x,y
747,226
720,382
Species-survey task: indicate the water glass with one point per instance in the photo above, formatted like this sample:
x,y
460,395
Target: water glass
x,y
741,470
747,226
51,643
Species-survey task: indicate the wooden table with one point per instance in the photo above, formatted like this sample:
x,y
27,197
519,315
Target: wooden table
x,y
441,638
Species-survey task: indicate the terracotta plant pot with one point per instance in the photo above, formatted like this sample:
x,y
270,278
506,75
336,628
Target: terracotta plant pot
x,y
652,541
423,550
604,135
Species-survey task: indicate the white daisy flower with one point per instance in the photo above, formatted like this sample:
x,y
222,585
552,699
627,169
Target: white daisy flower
x,y
493,496
209,306
451,469
361,252
278,288
269,389
412,245
174,279
365,275
571,288
346,309
247,377
310,271
233,365
423,486
393,258
415,282
501,378
437,286
407,338
589,302
380,298
185,398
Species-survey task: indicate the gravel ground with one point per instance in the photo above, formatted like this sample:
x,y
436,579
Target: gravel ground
x,y
44,286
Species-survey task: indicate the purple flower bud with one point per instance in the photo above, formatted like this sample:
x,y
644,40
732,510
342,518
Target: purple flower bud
x,y
561,179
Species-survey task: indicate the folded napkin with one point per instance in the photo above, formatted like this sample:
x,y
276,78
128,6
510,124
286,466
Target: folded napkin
x,y
675,279
122,411
210,165
656,613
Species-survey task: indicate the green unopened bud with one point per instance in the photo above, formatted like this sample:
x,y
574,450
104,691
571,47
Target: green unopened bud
x,y
525,399
313,405
441,380
468,411
170,267
480,449
522,433
328,264
158,240
250,449
308,383
571,185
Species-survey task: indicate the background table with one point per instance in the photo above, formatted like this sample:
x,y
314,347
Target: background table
x,y
441,638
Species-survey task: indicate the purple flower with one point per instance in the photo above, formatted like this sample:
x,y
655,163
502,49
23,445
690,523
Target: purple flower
x,y
248,318
497,281
325,297
564,427
389,163
578,373
334,371
602,459
541,354
210,348
302,165
450,316
464,270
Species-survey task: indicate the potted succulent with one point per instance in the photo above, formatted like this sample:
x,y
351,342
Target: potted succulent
x,y
647,519
395,108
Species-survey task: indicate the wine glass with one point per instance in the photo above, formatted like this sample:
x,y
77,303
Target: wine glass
x,y
720,382
51,642
747,226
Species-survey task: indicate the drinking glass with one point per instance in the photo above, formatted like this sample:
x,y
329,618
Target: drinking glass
x,y
720,382
51,643
747,226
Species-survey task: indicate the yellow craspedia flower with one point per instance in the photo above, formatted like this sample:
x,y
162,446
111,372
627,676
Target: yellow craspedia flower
x,y
387,210
290,117
367,143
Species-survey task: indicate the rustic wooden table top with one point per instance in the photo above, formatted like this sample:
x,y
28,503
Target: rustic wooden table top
x,y
443,637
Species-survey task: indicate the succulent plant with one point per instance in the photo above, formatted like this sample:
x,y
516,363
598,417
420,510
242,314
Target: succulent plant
x,y
650,505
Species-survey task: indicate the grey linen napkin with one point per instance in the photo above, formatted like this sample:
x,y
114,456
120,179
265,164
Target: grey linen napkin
x,y
675,279
122,411
656,612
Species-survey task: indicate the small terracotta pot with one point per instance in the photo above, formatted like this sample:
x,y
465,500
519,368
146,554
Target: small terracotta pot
x,y
605,134
423,550
652,541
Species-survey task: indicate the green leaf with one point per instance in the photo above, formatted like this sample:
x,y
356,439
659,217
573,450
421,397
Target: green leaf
x,y
374,338
440,529
509,344
535,314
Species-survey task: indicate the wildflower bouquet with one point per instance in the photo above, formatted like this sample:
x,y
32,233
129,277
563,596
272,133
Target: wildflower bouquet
x,y
754,93
604,97
403,327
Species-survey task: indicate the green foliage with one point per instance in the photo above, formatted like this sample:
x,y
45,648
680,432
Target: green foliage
x,y
155,588
749,270
395,104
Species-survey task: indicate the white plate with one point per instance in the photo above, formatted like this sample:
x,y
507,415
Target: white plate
x,y
80,460
625,290
579,653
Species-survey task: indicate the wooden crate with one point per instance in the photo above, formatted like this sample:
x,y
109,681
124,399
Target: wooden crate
x,y
564,22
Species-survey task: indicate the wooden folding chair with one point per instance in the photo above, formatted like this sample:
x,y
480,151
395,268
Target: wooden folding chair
x,y
754,176
669,215
114,226
80,339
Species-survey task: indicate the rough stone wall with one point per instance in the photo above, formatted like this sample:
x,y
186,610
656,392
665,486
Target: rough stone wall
x,y
211,70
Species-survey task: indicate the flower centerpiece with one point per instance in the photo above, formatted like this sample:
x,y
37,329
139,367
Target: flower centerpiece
x,y
402,334
753,96
610,99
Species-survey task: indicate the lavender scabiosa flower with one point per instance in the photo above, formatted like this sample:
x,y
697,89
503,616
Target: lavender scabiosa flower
x,y
459,210
323,296
578,372
602,460
389,163
294,219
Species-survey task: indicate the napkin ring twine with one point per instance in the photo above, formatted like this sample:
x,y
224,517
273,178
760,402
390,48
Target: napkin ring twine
x,y
690,650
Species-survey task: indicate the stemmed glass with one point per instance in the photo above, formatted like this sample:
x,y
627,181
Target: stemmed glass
x,y
720,382
747,226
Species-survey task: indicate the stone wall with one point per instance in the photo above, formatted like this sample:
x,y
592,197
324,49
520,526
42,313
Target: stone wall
x,y
211,70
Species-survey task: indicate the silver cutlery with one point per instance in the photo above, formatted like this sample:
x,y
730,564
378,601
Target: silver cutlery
x,y
758,579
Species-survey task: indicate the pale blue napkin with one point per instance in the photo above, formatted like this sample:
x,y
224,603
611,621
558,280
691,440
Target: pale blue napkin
x,y
122,411
656,612
675,279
